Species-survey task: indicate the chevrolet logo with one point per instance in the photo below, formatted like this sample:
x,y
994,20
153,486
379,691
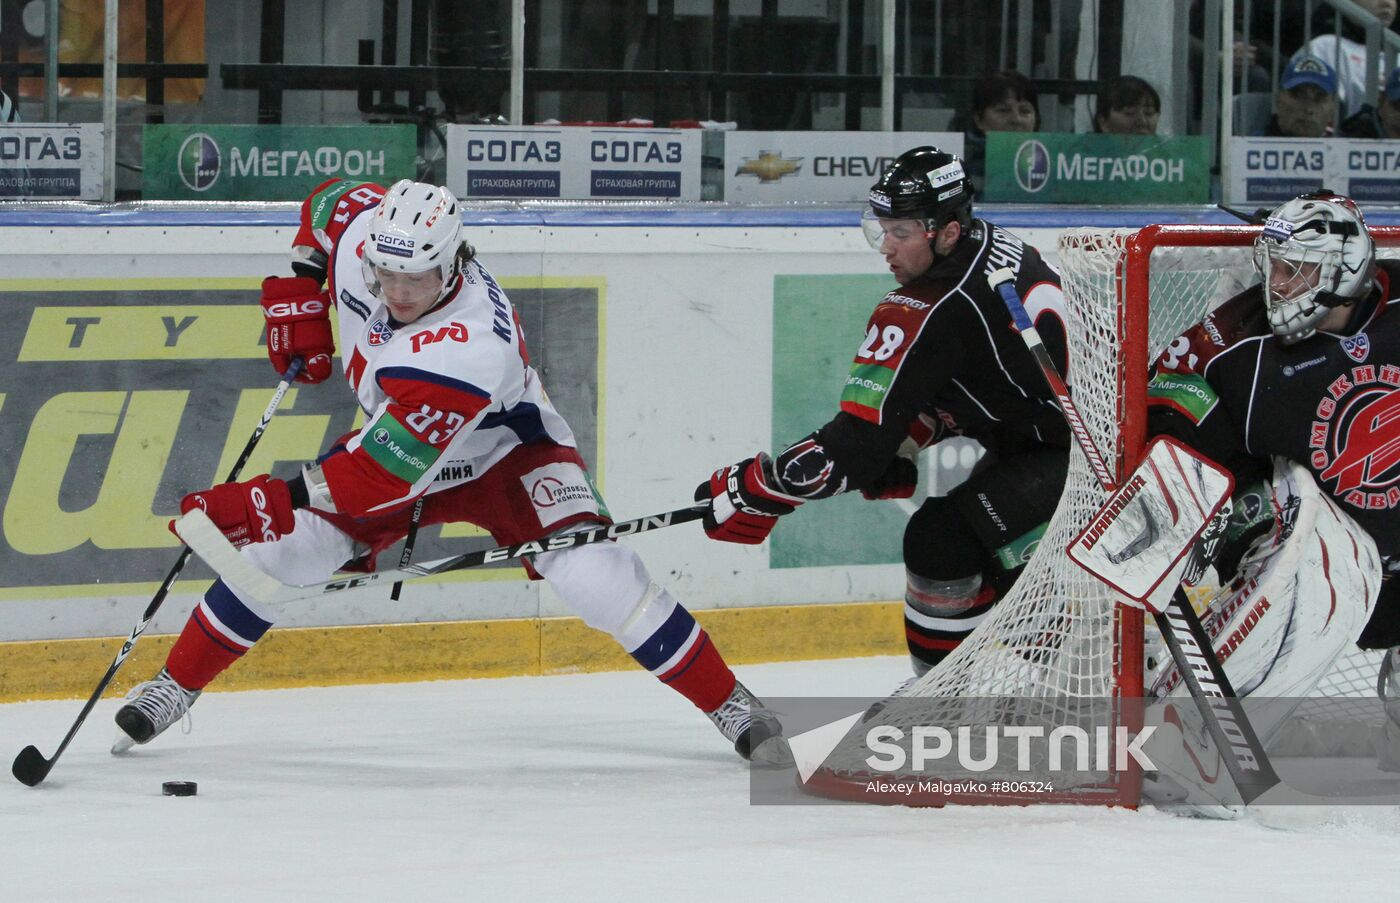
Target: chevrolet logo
x,y
769,167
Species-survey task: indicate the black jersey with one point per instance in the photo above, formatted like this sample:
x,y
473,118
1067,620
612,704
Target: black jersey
x,y
943,346
1331,402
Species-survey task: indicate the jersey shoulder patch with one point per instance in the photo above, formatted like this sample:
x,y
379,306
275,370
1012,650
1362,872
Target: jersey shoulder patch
x,y
1178,376
1237,320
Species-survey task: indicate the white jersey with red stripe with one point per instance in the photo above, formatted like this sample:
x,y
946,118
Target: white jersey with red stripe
x,y
445,397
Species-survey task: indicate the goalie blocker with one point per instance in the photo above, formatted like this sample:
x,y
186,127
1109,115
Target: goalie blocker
x,y
1140,542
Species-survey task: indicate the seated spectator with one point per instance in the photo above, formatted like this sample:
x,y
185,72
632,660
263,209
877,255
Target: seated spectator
x,y
1306,101
1382,120
1346,53
1001,102
1127,105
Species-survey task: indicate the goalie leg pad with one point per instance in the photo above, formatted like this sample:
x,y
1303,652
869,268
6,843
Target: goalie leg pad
x,y
1300,599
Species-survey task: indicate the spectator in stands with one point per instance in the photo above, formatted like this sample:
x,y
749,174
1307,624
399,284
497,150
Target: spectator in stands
x,y
1127,105
1306,102
1381,120
1001,102
1346,52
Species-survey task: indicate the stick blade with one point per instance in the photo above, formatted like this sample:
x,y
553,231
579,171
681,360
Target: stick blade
x,y
30,767
209,543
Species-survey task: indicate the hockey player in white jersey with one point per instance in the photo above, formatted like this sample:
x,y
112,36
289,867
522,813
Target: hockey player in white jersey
x,y
456,424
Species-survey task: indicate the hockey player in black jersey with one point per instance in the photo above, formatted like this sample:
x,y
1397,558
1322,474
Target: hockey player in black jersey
x,y
1303,366
939,358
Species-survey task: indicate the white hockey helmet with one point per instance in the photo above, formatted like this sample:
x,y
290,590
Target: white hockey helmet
x,y
1314,254
416,228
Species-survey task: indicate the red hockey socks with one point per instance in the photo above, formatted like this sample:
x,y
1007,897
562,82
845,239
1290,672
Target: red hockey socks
x,y
220,630
681,655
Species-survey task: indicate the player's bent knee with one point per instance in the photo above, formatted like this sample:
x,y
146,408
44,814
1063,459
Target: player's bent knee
x,y
607,585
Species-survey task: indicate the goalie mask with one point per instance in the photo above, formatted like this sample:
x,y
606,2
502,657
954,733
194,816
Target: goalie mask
x,y
417,228
924,184
1314,255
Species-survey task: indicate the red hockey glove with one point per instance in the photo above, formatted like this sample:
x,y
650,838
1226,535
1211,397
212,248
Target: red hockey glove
x,y
259,510
298,325
744,502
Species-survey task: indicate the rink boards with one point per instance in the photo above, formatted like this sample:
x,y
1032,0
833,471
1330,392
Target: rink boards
x,y
675,339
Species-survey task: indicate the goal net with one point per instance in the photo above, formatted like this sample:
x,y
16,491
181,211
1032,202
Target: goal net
x,y
1058,650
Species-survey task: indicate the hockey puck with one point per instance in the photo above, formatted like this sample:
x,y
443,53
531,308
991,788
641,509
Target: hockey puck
x,y
179,788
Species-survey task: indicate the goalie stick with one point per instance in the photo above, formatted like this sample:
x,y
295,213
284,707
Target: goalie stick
x,y
1240,748
210,544
30,766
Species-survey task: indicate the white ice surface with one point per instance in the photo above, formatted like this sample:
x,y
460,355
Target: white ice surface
x,y
590,787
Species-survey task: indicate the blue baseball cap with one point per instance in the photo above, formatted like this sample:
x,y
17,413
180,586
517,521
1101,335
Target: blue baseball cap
x,y
1308,70
1392,85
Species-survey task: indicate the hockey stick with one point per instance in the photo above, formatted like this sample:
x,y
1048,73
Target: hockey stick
x,y
1240,749
30,767
408,542
207,541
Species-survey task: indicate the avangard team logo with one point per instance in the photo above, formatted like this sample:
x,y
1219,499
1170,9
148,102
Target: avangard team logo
x,y
199,162
1032,165
1356,438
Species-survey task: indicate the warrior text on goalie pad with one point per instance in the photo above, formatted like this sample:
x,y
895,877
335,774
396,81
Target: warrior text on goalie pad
x,y
1139,541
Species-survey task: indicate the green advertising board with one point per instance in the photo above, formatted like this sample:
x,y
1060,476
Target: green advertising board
x,y
820,322
269,162
1049,168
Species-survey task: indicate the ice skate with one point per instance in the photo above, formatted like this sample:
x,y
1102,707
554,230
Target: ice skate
x,y
154,706
752,728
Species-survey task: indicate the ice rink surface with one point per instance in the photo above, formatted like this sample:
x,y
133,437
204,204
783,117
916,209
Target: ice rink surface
x,y
590,787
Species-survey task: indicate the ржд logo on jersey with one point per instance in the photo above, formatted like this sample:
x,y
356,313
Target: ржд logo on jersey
x,y
455,332
1356,437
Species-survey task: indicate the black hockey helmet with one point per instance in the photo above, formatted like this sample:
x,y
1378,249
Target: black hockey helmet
x,y
925,184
